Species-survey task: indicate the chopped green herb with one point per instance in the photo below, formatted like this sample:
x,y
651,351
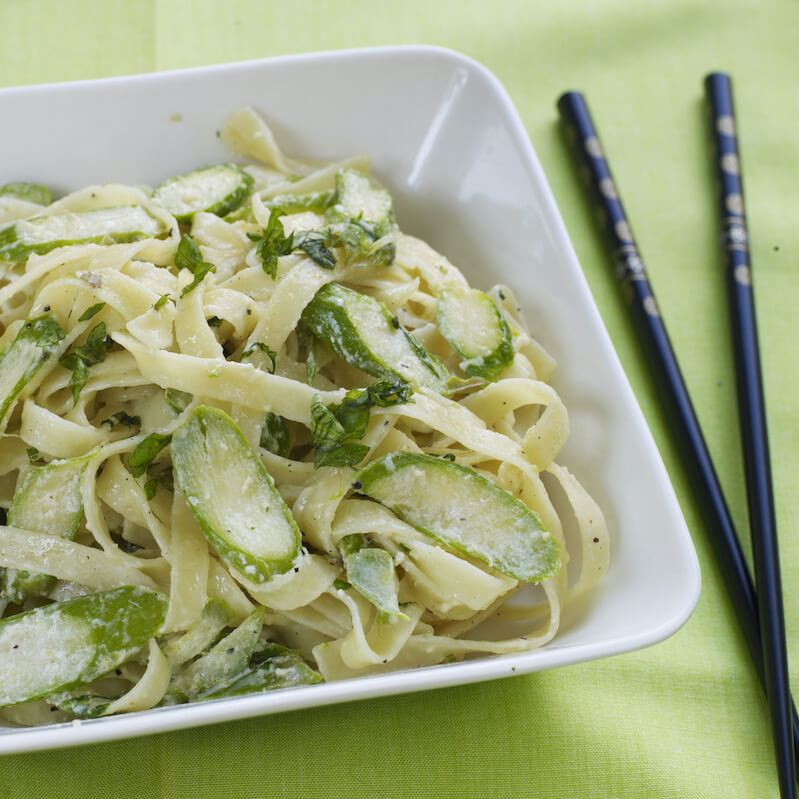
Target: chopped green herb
x,y
90,312
317,246
272,242
330,438
160,302
188,256
150,488
341,585
371,572
33,454
214,321
122,418
82,357
334,428
275,435
37,340
259,345
146,451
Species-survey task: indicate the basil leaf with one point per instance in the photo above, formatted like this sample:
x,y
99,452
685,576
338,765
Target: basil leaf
x,y
259,345
122,418
146,451
333,428
349,454
188,256
317,246
272,242
90,312
275,435
82,357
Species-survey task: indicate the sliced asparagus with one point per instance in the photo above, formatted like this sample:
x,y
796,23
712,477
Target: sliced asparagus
x,y
68,644
362,331
476,330
48,500
272,667
217,189
40,234
37,340
30,192
233,496
181,648
370,570
222,663
358,199
465,511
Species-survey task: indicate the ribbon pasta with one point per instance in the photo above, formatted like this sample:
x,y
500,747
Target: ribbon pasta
x,y
235,340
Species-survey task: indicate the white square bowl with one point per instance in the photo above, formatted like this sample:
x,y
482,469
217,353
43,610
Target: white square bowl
x,y
446,140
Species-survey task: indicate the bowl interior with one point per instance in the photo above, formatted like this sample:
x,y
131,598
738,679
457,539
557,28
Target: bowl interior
x,y
446,140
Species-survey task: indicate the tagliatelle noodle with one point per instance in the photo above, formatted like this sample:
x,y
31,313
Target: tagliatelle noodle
x,y
233,340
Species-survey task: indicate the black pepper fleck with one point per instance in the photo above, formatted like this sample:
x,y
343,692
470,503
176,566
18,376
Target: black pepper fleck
x,y
596,540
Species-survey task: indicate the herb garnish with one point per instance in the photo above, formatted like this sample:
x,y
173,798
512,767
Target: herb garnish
x,y
146,451
82,357
90,312
260,346
275,435
188,256
335,428
272,242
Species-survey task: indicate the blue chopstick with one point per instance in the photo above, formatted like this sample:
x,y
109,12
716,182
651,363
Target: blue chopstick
x,y
653,337
752,413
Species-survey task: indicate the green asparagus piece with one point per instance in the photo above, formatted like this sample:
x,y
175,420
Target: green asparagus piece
x,y
217,189
222,663
465,511
476,330
30,192
84,706
37,340
48,500
65,645
183,647
362,331
40,234
272,667
233,496
359,200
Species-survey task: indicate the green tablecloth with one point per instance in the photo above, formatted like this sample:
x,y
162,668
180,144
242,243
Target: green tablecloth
x,y
685,718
